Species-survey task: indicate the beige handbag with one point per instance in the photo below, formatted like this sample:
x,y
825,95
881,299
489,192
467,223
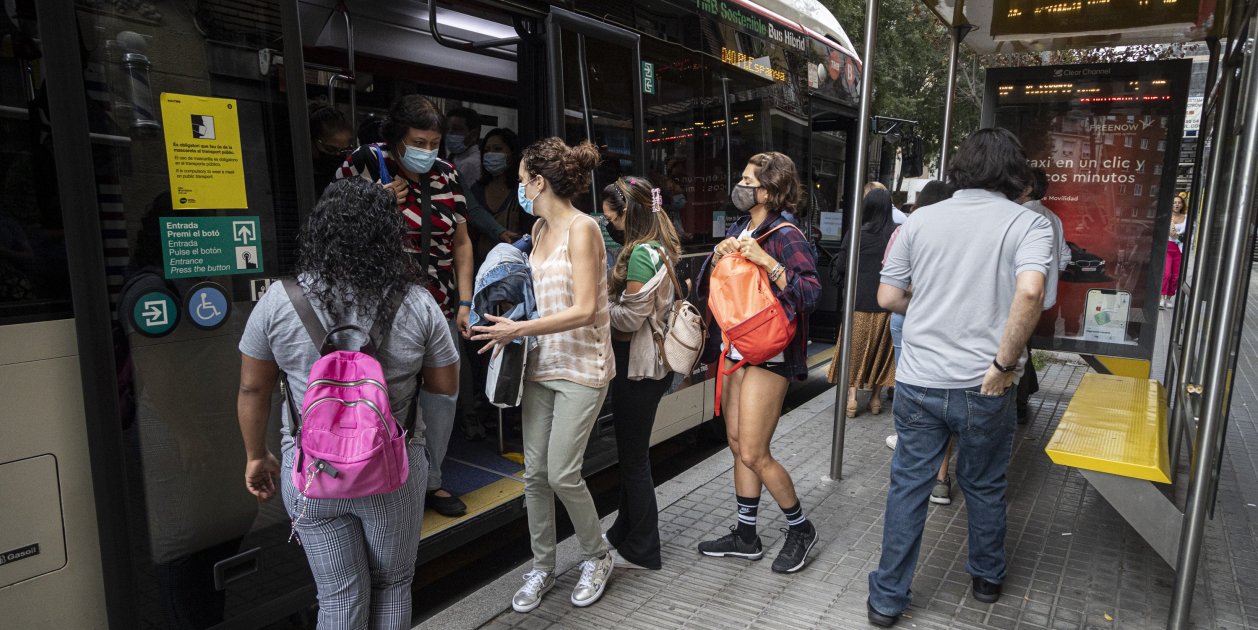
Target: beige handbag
x,y
682,341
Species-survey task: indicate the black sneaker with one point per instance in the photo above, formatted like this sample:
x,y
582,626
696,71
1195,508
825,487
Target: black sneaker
x,y
445,506
795,550
732,544
986,592
878,619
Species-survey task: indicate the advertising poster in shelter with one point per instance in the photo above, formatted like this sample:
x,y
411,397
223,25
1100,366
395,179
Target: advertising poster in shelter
x,y
1108,137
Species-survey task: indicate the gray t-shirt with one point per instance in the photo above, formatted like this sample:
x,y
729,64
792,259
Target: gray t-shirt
x,y
962,256
420,337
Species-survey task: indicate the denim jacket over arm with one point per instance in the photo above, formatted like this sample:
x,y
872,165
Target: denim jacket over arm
x,y
504,277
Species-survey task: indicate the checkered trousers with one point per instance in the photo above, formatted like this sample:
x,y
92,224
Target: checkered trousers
x,y
362,551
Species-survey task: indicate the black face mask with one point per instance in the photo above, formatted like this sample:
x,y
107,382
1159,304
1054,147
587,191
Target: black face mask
x,y
618,236
326,164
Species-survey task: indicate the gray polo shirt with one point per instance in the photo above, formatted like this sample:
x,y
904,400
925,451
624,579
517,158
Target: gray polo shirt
x,y
962,256
420,337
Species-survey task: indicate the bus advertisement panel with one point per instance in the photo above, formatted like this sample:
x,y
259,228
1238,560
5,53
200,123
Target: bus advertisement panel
x,y
1108,137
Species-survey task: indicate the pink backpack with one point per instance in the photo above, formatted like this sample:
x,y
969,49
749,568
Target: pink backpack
x,y
348,445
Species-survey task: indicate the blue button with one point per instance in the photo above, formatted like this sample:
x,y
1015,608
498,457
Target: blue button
x,y
208,306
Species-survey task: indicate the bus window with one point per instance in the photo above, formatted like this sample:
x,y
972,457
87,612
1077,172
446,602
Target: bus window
x,y
604,114
34,281
685,139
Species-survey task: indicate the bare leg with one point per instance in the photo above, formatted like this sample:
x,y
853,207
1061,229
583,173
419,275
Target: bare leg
x,y
746,482
760,397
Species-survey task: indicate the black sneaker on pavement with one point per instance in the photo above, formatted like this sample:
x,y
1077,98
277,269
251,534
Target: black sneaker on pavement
x,y
878,619
986,592
795,550
732,544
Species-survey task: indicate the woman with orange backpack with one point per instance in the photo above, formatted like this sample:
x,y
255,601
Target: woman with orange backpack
x,y
755,387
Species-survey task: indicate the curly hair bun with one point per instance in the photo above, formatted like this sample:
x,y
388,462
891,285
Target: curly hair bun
x,y
566,168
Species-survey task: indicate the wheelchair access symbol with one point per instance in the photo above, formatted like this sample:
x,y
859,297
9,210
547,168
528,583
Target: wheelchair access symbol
x,y
208,306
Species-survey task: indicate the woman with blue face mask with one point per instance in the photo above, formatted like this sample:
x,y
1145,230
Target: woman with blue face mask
x,y
428,193
495,191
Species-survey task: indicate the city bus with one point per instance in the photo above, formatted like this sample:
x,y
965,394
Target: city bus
x,y
130,258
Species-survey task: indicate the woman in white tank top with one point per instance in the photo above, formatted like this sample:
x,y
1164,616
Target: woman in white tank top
x,y
569,370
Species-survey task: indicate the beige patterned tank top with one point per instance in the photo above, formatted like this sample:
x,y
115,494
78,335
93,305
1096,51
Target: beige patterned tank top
x,y
582,355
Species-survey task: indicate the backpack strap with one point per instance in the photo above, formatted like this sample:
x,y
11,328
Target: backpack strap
x,y
383,170
783,224
677,286
301,304
721,372
425,227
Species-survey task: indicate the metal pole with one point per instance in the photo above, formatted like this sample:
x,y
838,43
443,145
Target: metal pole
x,y
1192,312
1219,342
957,32
854,238
1177,315
353,70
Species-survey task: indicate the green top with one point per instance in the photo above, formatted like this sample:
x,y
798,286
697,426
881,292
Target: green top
x,y
644,262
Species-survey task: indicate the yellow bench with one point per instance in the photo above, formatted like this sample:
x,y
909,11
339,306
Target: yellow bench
x,y
1115,425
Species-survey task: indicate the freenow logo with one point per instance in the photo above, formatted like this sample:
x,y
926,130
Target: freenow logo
x,y
1115,127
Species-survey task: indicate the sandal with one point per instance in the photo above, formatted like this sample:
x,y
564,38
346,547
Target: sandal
x,y
851,408
875,406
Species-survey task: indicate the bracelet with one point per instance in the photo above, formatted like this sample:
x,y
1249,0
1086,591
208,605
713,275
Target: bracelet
x,y
467,303
776,273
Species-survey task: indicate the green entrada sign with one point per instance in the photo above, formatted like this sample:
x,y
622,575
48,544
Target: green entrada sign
x,y
194,247
648,77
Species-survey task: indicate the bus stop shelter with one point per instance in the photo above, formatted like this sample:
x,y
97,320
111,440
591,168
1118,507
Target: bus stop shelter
x,y
1218,244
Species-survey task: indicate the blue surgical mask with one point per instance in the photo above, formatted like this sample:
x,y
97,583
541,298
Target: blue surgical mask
x,y
526,204
456,145
418,161
494,163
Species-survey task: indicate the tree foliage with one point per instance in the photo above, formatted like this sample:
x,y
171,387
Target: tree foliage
x,y
911,68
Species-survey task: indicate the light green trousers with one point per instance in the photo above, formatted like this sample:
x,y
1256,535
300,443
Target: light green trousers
x,y
558,418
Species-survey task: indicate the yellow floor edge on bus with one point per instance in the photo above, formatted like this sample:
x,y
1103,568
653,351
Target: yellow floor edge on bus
x,y
1115,425
480,500
817,358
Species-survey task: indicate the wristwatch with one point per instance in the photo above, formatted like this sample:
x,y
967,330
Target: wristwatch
x,y
1004,368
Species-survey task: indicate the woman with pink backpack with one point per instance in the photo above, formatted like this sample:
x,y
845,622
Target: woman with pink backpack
x,y
356,514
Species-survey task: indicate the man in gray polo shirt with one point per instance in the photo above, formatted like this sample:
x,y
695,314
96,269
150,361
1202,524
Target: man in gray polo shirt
x,y
977,264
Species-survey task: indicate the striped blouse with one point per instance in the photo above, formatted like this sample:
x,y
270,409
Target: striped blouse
x,y
582,355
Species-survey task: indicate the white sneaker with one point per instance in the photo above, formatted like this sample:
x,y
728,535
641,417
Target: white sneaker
x,y
594,576
892,440
536,584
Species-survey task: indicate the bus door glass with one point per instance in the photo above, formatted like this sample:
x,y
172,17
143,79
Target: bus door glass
x,y
194,184
826,187
596,88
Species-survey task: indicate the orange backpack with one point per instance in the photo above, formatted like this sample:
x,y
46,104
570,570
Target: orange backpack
x,y
741,301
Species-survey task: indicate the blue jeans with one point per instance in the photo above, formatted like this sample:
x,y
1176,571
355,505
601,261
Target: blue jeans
x,y
924,419
897,333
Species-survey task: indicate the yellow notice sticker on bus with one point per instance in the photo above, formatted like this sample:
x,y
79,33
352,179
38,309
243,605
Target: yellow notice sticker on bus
x,y
203,152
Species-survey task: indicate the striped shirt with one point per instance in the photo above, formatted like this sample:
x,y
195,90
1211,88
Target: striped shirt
x,y
449,208
581,355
